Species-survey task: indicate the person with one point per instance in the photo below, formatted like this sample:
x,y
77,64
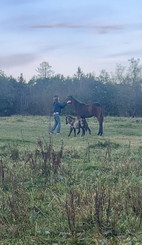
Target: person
x,y
57,107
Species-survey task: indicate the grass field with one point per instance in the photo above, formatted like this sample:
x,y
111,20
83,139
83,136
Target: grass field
x,y
58,190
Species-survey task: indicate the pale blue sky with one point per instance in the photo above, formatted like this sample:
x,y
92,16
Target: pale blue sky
x,y
91,34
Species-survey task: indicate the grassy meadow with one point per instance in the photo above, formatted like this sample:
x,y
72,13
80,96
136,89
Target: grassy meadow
x,y
58,190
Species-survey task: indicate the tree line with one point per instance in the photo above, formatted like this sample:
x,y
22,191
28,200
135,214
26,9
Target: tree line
x,y
119,93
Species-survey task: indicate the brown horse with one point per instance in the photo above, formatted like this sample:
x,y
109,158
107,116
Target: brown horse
x,y
85,111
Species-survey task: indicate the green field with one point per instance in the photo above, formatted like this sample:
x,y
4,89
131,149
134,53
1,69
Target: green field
x,y
70,190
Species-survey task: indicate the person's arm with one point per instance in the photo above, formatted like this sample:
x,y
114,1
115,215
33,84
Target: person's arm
x,y
62,105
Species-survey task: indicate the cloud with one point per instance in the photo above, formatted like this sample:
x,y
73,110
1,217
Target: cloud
x,y
101,29
129,53
15,2
16,60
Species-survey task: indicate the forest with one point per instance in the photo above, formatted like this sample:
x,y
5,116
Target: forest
x,y
119,92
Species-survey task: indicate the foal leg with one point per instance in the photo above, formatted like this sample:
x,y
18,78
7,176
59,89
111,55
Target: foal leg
x,y
89,130
83,131
78,131
70,131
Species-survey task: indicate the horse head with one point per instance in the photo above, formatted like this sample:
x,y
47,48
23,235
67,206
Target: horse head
x,y
69,99
70,120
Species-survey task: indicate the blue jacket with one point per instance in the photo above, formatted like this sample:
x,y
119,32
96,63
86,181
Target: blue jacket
x,y
57,106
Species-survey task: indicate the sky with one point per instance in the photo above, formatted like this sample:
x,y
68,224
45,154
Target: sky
x,y
94,35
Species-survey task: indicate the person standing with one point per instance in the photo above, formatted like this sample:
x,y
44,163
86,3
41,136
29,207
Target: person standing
x,y
57,107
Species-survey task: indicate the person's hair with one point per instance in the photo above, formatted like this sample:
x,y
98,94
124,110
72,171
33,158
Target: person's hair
x,y
56,97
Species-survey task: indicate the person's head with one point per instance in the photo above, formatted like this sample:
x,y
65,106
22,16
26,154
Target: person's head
x,y
55,97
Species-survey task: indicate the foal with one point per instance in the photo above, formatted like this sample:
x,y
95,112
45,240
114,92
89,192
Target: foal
x,y
79,123
84,124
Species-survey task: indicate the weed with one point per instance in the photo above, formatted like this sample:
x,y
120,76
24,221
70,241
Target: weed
x,y
82,190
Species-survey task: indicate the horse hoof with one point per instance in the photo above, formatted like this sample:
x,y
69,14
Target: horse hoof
x,y
100,134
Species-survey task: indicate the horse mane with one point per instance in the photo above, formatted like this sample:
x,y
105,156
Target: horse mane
x,y
76,100
95,103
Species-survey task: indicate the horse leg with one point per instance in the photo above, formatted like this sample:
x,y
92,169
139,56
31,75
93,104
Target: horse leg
x,y
100,120
100,128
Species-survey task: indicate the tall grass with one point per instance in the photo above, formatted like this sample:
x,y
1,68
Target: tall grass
x,y
70,190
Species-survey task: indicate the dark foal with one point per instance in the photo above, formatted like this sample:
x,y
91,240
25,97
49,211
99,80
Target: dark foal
x,y
76,123
84,124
